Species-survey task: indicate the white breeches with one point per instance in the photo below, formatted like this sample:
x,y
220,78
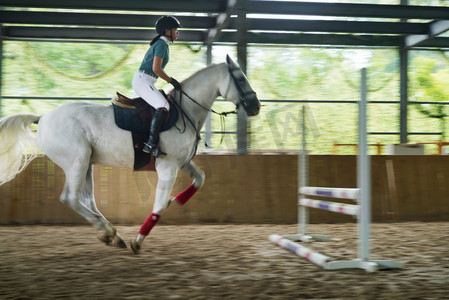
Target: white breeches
x,y
143,85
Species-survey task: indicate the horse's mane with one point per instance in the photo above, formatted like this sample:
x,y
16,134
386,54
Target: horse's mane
x,y
211,66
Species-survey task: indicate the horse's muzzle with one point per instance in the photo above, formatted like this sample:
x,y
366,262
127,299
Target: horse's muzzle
x,y
254,109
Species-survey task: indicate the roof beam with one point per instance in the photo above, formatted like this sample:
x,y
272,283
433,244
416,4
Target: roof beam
x,y
211,6
349,10
340,40
144,35
334,26
327,39
434,29
97,19
222,22
202,22
123,27
100,34
254,6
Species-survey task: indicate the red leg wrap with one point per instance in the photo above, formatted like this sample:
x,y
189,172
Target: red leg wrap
x,y
149,224
185,195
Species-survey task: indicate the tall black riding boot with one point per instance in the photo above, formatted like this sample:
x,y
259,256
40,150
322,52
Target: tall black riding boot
x,y
152,145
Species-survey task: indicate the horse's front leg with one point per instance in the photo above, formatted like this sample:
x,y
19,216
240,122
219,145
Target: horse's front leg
x,y
198,180
167,172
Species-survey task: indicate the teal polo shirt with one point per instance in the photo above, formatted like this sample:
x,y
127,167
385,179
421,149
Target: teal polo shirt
x,y
159,49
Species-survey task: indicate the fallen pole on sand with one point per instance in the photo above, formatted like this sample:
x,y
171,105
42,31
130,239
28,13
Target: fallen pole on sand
x,y
312,256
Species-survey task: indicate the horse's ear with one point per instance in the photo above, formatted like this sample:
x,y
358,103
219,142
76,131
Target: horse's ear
x,y
231,62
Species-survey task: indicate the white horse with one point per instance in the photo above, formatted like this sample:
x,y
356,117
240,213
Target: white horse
x,y
77,135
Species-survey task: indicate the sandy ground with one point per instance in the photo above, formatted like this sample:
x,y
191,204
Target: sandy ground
x,y
219,262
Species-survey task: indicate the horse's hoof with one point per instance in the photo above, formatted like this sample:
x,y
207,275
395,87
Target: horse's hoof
x,y
108,235
117,241
105,239
135,247
110,229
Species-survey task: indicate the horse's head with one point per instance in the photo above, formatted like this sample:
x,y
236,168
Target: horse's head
x,y
239,90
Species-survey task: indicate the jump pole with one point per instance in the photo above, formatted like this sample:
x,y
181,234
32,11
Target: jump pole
x,y
363,210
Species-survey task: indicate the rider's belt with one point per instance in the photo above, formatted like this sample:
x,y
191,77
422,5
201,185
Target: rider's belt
x,y
152,75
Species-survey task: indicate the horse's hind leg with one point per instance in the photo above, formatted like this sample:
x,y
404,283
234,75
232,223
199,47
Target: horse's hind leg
x,y
78,194
87,197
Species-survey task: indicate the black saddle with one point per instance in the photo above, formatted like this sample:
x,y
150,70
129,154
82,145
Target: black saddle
x,y
135,115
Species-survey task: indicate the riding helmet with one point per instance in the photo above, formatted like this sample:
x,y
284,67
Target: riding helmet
x,y
166,22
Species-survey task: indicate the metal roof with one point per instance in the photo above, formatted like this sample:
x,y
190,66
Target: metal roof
x,y
215,21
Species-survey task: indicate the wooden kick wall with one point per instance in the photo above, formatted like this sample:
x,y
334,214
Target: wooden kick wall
x,y
238,189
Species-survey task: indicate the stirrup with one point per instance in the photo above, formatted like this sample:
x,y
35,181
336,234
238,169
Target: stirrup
x,y
147,148
155,151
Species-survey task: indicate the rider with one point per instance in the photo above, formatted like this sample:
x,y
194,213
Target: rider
x,y
152,67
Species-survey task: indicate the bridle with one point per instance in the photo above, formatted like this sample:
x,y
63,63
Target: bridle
x,y
242,102
242,94
242,97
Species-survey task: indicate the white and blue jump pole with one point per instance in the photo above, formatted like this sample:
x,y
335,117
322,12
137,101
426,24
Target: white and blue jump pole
x,y
361,194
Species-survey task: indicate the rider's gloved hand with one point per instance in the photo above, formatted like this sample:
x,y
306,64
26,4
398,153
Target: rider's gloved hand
x,y
175,84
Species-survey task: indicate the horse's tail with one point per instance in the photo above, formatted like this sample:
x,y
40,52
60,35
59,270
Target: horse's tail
x,y
18,145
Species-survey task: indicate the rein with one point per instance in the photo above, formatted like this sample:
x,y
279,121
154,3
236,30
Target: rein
x,y
184,115
222,114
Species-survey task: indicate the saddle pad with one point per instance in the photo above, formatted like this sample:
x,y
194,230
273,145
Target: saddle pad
x,y
128,119
138,120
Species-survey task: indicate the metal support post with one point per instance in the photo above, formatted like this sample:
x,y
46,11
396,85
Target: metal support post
x,y
403,55
209,119
242,121
303,216
1,69
403,90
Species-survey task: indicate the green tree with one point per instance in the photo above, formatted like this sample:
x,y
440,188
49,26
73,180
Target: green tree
x,y
429,82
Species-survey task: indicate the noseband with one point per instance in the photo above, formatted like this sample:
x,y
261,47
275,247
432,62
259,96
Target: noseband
x,y
242,94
